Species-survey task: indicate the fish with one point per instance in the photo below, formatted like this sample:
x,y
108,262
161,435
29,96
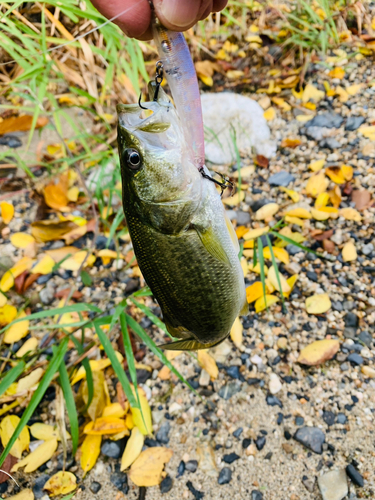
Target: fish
x,y
184,242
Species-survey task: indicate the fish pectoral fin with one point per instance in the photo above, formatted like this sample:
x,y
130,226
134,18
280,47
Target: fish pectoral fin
x,y
212,244
245,309
187,345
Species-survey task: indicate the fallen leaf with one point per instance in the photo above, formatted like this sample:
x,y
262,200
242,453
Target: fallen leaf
x,y
291,282
324,213
208,363
28,382
315,166
3,301
74,263
7,280
254,292
73,194
311,93
133,448
61,483
256,269
317,184
56,196
322,200
27,347
21,240
235,199
318,304
342,93
368,131
105,425
302,213
205,70
279,254
7,314
255,233
236,332
49,230
267,211
44,432
304,118
272,276
349,252
290,143
114,410
7,427
270,114
17,331
292,194
90,451
354,89
44,266
350,214
318,352
5,470
335,196
279,101
21,124
148,467
329,246
335,174
261,161
59,254
263,302
22,495
143,418
7,210
323,235
347,172
337,72
361,198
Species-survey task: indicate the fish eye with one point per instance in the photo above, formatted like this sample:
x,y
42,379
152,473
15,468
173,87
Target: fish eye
x,y
133,159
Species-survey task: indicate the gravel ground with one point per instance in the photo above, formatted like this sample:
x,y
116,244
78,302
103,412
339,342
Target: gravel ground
x,y
239,433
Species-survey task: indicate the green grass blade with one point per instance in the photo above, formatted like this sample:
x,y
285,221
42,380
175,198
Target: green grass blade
x,y
70,406
274,263
89,378
53,367
11,376
158,322
262,267
292,242
116,365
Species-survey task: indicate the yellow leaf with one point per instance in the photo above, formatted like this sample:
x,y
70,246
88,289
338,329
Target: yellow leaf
x,y
291,282
208,363
350,214
90,451
267,211
3,301
59,254
133,448
207,80
61,483
75,262
17,331
255,233
256,269
320,214
337,73
367,131
342,93
105,425
349,252
55,195
7,314
7,281
292,194
310,105
272,276
354,89
315,166
115,410
290,143
322,200
294,220
100,399
336,175
21,240
96,365
28,382
46,230
318,304
302,213
254,292
29,346
270,114
236,332
304,118
23,495
311,93
44,431
7,427
147,469
317,184
318,352
235,199
260,304
7,211
279,101
73,193
244,267
44,266
335,196
279,253
347,172
129,421
144,423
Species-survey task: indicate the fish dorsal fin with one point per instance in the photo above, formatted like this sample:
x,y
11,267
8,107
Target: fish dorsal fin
x,y
212,244
187,345
232,232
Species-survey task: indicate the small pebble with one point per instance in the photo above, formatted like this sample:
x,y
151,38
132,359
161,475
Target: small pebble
x,y
354,475
225,476
166,484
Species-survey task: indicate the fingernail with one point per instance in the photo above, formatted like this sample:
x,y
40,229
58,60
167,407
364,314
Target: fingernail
x,y
179,13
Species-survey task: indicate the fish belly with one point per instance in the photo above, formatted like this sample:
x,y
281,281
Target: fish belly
x,y
197,293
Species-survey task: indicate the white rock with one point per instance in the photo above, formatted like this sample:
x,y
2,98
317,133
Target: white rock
x,y
333,485
224,111
275,384
220,352
204,378
175,408
35,444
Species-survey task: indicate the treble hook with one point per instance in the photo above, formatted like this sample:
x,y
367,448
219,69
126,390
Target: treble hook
x,y
158,79
223,185
139,102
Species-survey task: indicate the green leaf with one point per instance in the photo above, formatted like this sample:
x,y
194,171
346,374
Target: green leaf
x,y
262,266
11,376
274,263
70,406
53,367
86,365
292,242
86,278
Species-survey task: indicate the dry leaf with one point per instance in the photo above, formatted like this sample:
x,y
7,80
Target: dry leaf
x,y
292,194
74,263
49,230
115,410
22,495
254,292
290,143
255,233
21,123
44,266
318,352
279,101
272,277
133,448
329,246
261,161
265,302
349,252
7,210
208,363
7,427
335,196
317,184
354,89
7,314
322,200
350,214
73,194
335,174
144,423
337,72
44,432
7,280
3,301
105,425
21,240
205,70
342,93
318,304
29,346
236,332
147,469
56,196
267,211
291,282
59,254
302,213
311,93
279,254
61,483
315,166
347,172
270,114
28,382
90,451
361,198
17,331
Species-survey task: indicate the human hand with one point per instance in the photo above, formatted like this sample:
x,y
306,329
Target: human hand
x,y
177,15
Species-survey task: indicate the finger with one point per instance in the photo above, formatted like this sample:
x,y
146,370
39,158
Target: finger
x,y
178,15
135,18
205,13
219,5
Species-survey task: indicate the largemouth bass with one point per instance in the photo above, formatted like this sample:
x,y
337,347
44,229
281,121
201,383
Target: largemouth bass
x,y
185,244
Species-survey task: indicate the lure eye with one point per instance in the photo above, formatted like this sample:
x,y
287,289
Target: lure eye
x,y
133,159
